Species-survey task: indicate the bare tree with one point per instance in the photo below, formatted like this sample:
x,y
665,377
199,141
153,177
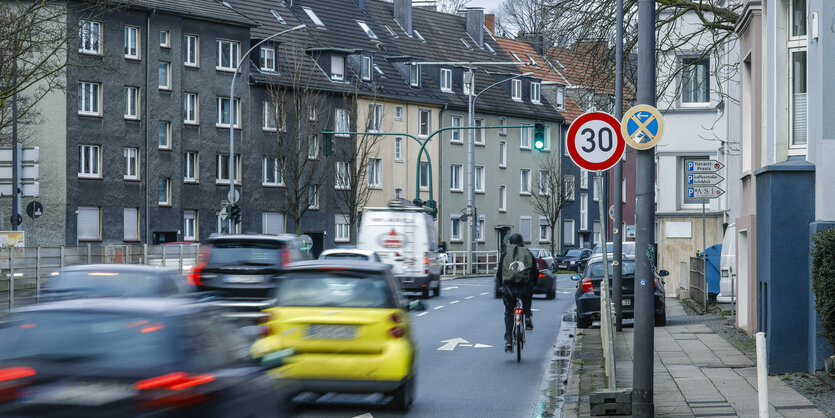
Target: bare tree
x,y
451,6
519,17
553,192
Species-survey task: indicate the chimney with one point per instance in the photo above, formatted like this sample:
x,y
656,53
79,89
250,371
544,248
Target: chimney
x,y
475,25
403,14
490,22
538,44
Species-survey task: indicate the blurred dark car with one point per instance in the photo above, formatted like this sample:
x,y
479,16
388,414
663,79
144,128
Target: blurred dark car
x,y
129,357
587,296
118,280
546,284
545,255
575,260
242,270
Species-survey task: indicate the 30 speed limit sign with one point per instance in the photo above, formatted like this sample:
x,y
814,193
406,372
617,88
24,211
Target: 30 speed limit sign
x,y
595,141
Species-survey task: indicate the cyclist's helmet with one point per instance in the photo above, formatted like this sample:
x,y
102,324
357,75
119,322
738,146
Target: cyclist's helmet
x,y
514,239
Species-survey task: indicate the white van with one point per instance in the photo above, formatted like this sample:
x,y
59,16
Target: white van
x,y
727,266
404,237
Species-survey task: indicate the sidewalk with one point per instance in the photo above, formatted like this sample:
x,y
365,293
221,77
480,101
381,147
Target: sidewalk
x,y
696,373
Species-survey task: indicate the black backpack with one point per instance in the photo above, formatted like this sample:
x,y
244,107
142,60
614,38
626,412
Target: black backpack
x,y
517,265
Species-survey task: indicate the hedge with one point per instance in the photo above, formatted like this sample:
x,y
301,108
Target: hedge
x,y
823,281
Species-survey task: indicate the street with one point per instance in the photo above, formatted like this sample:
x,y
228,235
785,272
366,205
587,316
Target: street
x,y
462,368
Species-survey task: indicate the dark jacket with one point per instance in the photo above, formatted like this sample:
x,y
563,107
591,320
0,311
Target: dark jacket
x,y
534,270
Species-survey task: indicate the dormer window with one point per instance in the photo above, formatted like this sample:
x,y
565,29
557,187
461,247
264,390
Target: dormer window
x,y
561,98
267,62
465,83
337,68
516,90
414,75
366,68
366,29
535,92
312,15
446,80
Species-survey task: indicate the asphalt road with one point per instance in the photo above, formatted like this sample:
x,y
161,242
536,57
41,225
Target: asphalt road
x,y
476,377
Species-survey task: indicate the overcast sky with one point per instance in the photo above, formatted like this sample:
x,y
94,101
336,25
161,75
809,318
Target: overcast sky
x,y
488,5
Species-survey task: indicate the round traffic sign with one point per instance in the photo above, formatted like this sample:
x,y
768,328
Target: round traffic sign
x,y
34,209
595,142
642,126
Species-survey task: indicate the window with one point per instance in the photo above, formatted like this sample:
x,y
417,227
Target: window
x,y
535,92
525,228
375,117
568,232
131,103
89,35
89,224
391,31
165,76
89,98
267,59
313,196
271,172
446,80
398,193
192,51
525,138
502,198
164,134
414,75
312,15
797,46
89,161
375,175
502,154
455,135
311,114
466,82
398,150
225,226
343,175
695,81
623,190
560,98
516,91
455,178
584,212
270,117
366,29
164,192
425,123
398,113
455,228
525,181
584,178
131,42
342,228
479,179
342,122
130,224
569,187
548,138
272,223
189,225
164,39
131,164
313,147
544,230
222,169
424,175
337,67
502,123
479,133
365,68
418,35
544,183
223,112
191,167
190,105
595,192
479,229
228,54
596,232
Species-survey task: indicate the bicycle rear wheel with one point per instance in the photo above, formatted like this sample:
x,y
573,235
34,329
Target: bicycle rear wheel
x,y
520,339
518,349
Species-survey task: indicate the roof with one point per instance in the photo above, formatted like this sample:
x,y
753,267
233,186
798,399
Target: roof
x,y
340,264
367,253
587,66
211,10
543,69
147,306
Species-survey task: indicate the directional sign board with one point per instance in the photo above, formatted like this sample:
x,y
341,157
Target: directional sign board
x,y
642,126
702,166
595,142
704,192
708,179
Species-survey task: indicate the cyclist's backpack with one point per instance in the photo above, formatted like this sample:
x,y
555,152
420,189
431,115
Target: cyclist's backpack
x,y
517,265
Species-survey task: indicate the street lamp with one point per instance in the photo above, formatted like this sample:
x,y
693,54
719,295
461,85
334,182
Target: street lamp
x,y
233,113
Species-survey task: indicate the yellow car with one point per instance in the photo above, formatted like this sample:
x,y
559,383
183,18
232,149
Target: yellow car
x,y
347,328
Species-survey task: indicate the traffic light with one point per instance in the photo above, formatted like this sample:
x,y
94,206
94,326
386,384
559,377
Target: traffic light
x,y
327,143
235,213
539,136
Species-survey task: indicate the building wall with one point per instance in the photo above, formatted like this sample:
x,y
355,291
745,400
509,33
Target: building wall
x,y
677,246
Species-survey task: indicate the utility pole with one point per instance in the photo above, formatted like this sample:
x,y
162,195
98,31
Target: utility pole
x,y
617,181
644,337
471,173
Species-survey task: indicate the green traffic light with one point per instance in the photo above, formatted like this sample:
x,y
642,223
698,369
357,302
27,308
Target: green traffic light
x,y
539,136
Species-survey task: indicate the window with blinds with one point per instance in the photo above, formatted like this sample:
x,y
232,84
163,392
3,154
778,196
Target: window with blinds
x,y
525,228
131,224
89,224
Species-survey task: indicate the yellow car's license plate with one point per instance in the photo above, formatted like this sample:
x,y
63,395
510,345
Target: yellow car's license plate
x,y
331,332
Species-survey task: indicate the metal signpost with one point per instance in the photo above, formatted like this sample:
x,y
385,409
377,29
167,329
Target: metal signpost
x,y
700,180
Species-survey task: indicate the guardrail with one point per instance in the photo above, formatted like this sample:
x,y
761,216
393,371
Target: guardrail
x,y
455,262
698,282
24,269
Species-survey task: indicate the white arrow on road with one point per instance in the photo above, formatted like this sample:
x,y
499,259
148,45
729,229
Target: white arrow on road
x,y
450,344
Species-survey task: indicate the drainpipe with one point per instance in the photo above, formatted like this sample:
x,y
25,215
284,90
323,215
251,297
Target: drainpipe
x,y
146,169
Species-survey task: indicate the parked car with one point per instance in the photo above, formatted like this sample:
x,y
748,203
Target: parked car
x,y
545,255
243,269
575,260
130,357
727,267
628,247
347,324
117,280
546,284
349,254
561,255
587,296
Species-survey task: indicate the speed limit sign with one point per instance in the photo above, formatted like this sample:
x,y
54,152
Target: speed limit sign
x,y
595,141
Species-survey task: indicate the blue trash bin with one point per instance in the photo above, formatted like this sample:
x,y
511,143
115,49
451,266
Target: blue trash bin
x,y
713,257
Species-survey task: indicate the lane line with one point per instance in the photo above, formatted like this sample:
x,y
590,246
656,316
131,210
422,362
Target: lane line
x,y
484,293
438,307
468,297
455,301
422,313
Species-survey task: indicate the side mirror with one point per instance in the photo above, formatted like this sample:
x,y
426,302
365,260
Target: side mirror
x,y
575,277
275,359
663,273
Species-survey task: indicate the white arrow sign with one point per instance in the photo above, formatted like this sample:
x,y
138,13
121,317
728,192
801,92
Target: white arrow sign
x,y
702,166
704,192
451,344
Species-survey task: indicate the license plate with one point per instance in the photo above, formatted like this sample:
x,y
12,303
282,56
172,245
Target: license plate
x,y
244,279
80,393
331,332
626,302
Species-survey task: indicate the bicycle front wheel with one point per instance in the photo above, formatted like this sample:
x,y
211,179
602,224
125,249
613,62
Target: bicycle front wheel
x,y
520,340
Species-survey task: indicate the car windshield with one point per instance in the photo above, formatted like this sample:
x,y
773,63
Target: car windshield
x,y
345,256
574,253
113,283
89,339
598,249
246,253
334,288
596,269
626,248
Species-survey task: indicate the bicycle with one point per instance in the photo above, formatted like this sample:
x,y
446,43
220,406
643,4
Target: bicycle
x,y
518,333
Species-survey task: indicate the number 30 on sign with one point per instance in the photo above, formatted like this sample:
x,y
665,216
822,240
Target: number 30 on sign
x,y
595,141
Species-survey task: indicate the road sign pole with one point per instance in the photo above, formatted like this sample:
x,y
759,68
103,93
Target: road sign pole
x,y
644,337
704,233
617,198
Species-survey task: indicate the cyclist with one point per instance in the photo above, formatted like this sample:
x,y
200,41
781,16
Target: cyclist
x,y
517,275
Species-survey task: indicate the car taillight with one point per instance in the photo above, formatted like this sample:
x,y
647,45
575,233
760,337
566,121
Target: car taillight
x,y
285,257
397,332
655,282
396,317
13,373
193,276
173,390
263,318
541,275
586,285
9,385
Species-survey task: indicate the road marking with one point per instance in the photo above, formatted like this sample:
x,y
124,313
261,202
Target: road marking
x,y
365,415
484,293
534,309
468,297
465,345
450,287
455,301
451,343
483,346
422,313
438,307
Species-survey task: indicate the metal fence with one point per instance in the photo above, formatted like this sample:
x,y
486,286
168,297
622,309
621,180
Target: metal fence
x,y
698,281
455,262
24,269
